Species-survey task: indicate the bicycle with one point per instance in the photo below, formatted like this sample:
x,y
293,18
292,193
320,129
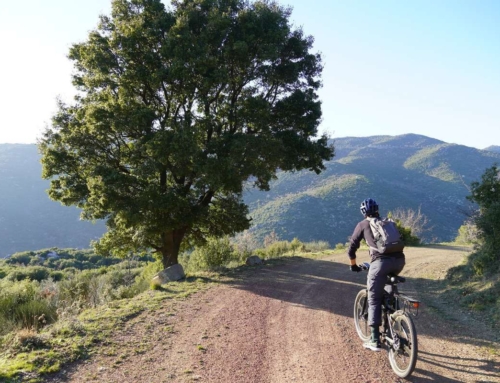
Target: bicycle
x,y
398,331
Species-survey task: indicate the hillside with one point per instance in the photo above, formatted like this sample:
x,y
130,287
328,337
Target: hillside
x,y
493,148
29,220
408,171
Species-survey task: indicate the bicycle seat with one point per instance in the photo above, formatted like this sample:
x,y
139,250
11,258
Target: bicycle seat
x,y
391,278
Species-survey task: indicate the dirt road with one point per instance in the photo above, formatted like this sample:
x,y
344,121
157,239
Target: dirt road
x,y
293,323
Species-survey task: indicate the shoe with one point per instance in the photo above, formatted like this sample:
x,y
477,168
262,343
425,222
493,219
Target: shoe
x,y
372,345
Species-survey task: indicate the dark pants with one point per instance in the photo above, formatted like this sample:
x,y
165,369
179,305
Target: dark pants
x,y
377,276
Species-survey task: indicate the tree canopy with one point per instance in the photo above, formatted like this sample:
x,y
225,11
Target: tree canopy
x,y
487,195
178,108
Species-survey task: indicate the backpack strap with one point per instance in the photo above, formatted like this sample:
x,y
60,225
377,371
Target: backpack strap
x,y
376,234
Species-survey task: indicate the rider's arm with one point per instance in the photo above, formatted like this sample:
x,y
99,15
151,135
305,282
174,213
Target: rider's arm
x,y
356,238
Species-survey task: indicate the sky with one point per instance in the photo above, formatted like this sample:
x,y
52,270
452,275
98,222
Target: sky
x,y
391,67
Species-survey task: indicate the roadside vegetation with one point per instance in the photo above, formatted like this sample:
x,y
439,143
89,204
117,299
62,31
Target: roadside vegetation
x,y
476,282
59,305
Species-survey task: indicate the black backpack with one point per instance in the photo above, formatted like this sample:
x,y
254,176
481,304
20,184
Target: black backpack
x,y
387,236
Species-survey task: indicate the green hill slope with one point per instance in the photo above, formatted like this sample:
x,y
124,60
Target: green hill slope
x,y
407,171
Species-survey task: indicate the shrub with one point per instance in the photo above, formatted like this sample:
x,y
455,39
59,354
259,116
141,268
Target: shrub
x,y
34,273
316,246
406,234
22,306
67,263
20,258
143,280
296,245
277,249
340,246
215,253
57,275
468,233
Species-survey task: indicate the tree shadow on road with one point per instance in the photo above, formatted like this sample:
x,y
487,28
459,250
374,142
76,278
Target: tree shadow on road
x,y
315,284
483,370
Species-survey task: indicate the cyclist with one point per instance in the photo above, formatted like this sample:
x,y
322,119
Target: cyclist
x,y
380,266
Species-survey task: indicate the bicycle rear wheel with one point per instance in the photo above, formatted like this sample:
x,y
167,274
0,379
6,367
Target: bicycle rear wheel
x,y
361,316
403,352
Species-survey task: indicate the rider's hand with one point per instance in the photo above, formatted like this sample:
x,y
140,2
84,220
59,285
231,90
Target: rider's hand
x,y
355,268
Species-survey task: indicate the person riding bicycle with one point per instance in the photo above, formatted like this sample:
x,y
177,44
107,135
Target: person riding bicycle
x,y
380,266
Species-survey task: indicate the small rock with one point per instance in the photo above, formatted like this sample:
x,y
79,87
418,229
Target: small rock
x,y
253,260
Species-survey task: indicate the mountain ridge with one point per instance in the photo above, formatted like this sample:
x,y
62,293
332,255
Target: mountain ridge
x,y
405,171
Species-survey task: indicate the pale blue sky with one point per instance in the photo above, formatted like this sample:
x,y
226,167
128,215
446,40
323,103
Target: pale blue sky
x,y
391,67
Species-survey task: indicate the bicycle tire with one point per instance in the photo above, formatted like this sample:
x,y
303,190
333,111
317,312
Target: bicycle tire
x,y
404,359
361,316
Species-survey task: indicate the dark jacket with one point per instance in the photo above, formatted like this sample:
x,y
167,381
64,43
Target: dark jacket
x,y
363,231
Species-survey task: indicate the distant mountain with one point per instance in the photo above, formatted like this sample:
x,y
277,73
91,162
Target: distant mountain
x,y
493,148
29,220
407,171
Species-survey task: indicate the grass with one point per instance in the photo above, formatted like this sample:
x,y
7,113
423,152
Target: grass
x,y
78,338
31,354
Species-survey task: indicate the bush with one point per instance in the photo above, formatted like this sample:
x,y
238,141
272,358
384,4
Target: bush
x,y
406,234
22,306
277,249
143,280
34,273
316,246
296,245
215,253
57,275
468,233
20,258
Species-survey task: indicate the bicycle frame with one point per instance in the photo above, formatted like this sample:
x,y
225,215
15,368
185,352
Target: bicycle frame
x,y
398,330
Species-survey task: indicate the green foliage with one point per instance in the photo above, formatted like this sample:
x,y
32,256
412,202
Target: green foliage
x,y
3,272
217,252
274,250
486,194
340,246
296,245
315,246
23,306
467,233
408,238
30,296
34,273
407,235
20,258
161,140
28,354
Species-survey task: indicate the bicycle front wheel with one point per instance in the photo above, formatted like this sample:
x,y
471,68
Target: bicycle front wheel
x,y
403,352
361,316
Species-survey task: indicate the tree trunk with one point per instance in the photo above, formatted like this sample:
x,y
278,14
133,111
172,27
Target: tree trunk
x,y
171,244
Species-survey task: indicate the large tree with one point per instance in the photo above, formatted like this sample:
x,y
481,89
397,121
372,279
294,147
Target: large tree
x,y
178,108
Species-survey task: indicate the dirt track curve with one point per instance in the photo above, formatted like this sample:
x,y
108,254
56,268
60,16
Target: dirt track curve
x,y
293,323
